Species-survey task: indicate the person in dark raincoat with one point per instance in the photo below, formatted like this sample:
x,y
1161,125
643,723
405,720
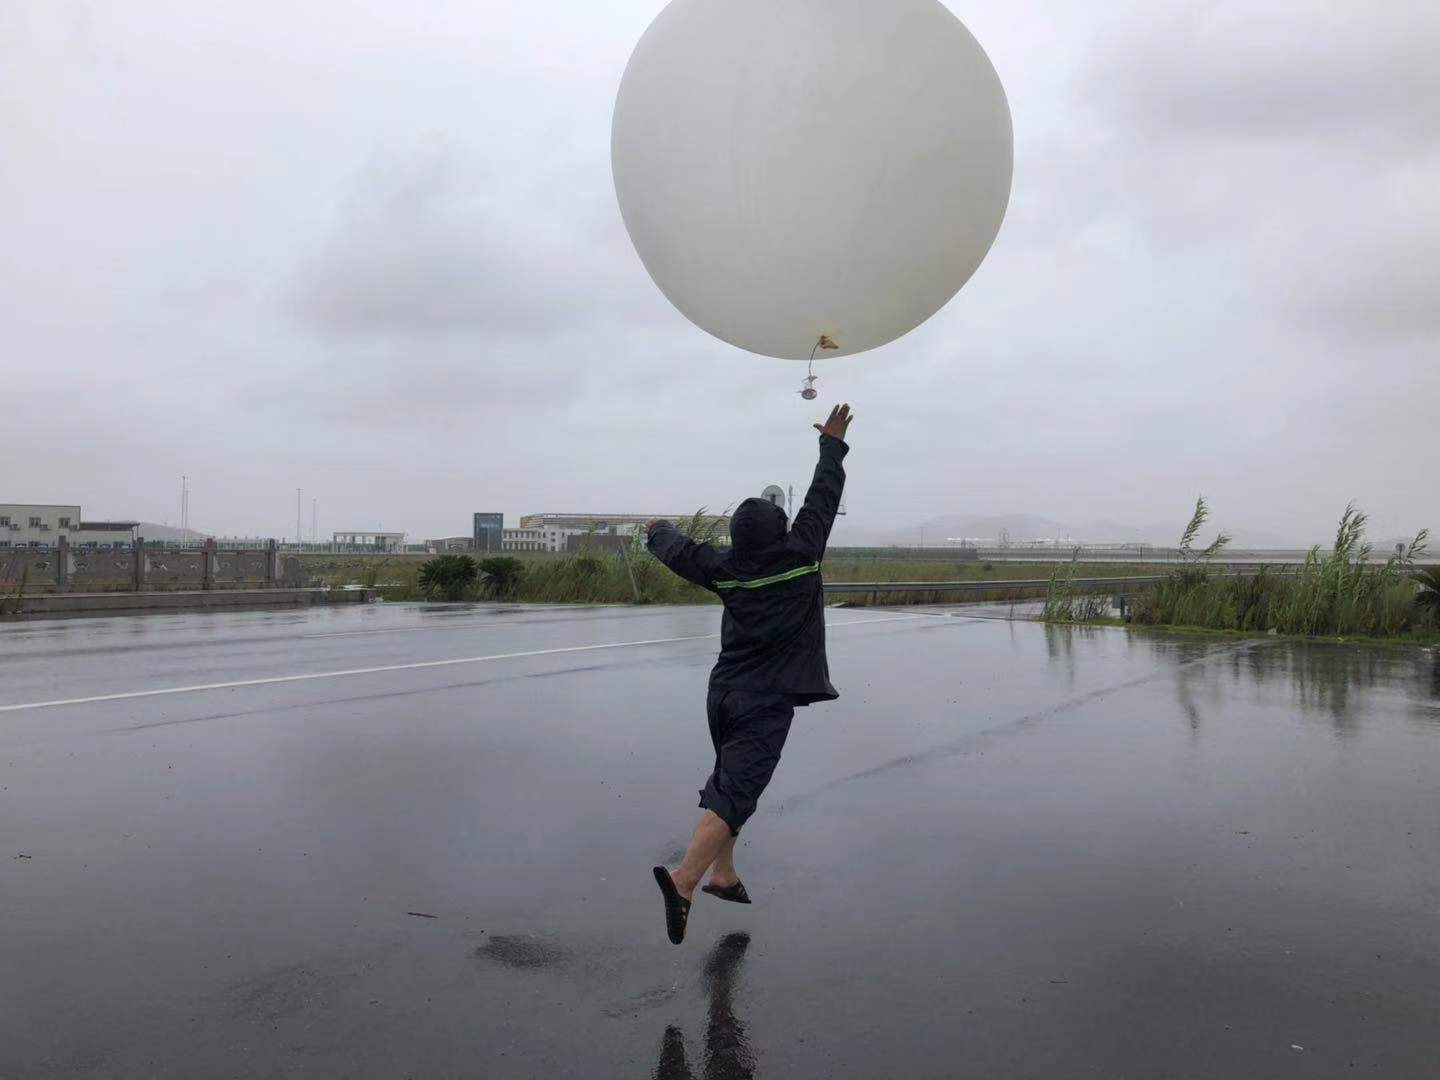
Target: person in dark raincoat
x,y
772,658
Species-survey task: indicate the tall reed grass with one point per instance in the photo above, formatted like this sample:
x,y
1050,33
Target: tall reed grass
x,y
1335,592
1064,603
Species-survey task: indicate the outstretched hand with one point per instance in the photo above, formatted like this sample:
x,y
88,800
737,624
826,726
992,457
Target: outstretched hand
x,y
838,424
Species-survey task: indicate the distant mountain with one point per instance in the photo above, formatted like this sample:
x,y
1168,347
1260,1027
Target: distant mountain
x,y
1240,538
1243,539
1018,527
956,526
952,527
168,533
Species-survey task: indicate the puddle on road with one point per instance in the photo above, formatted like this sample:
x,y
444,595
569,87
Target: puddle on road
x,y
524,952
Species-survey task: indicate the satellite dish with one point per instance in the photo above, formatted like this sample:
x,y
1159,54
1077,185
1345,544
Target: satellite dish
x,y
807,175
774,495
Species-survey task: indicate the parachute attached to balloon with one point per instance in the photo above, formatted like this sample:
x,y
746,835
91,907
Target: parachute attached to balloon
x,y
808,175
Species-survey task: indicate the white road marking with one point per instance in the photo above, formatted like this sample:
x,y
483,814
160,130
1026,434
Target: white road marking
x,y
160,691
468,626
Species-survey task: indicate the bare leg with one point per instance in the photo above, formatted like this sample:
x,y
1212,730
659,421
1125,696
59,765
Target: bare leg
x,y
711,837
723,872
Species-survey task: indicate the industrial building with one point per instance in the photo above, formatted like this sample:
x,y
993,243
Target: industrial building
x,y
489,531
380,541
43,524
554,531
510,540
526,540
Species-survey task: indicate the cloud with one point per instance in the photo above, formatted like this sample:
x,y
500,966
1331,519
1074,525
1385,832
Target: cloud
x,y
379,257
430,243
1301,69
1380,289
1285,152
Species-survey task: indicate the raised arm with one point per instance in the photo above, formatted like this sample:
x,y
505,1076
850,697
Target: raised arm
x,y
810,531
692,561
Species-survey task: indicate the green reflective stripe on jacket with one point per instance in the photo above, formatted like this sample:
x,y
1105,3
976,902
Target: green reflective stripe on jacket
x,y
775,579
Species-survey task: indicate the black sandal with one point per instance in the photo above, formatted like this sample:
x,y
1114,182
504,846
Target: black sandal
x,y
736,893
677,908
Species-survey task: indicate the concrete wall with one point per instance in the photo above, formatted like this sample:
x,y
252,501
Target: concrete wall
x,y
23,564
170,568
99,567
148,567
129,603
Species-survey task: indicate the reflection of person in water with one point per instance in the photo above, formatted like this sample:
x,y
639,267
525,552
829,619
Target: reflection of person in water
x,y
727,1054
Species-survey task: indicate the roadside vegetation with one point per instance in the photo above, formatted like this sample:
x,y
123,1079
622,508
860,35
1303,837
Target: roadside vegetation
x,y
604,575
447,577
1066,603
1335,593
14,602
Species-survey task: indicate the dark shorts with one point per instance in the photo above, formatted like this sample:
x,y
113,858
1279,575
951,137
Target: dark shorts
x,y
748,731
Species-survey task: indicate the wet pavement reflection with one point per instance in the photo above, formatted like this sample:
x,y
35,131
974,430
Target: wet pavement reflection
x,y
727,1053
1008,850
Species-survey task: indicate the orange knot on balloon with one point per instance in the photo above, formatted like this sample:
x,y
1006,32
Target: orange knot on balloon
x,y
827,342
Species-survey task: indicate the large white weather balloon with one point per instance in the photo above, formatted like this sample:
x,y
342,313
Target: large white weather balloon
x,y
795,168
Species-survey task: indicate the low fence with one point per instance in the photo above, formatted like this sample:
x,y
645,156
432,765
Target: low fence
x,y
146,567
918,592
290,547
1091,553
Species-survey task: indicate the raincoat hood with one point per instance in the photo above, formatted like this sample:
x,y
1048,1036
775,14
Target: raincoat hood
x,y
756,524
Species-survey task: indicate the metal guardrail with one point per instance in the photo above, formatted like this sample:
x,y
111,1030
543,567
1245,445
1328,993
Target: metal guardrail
x,y
978,586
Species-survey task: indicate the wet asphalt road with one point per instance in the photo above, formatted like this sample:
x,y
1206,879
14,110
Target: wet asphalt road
x,y
1007,851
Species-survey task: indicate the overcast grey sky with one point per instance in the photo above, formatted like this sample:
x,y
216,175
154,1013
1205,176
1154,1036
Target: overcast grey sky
x,y
372,250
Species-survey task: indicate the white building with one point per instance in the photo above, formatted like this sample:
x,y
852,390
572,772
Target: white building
x,y
380,541
552,532
523,539
43,524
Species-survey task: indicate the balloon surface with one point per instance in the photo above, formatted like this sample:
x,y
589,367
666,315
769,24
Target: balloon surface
x,y
795,168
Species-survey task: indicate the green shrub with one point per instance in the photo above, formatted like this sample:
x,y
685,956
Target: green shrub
x,y
502,576
1427,600
448,577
